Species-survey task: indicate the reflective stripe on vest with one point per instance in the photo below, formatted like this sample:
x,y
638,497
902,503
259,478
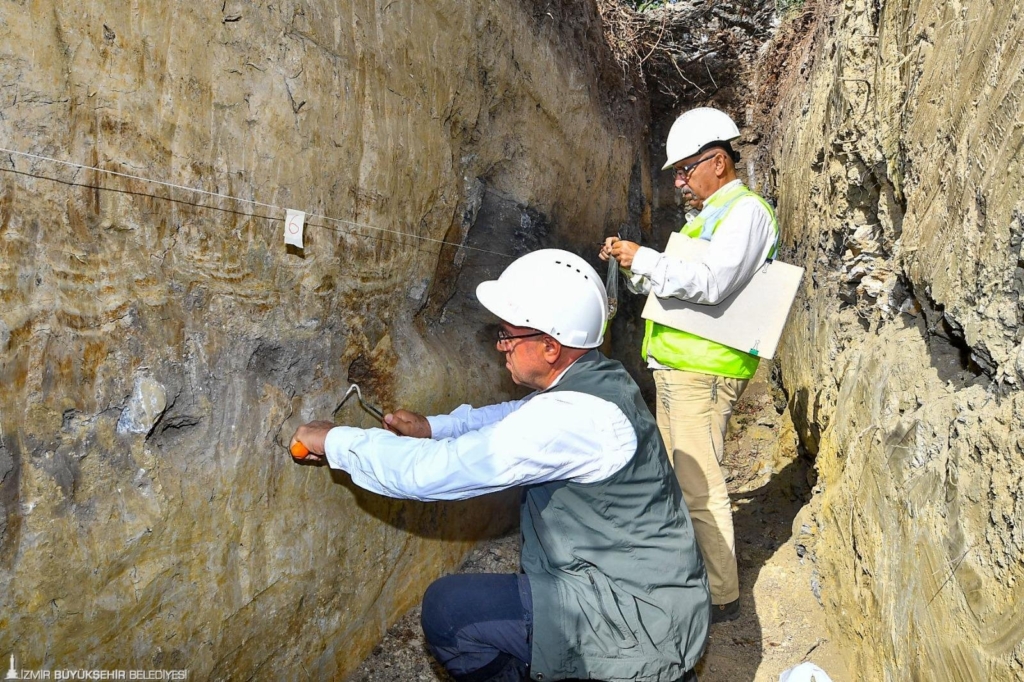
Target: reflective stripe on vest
x,y
685,351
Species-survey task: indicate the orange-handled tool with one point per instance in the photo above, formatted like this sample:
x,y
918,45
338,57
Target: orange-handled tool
x,y
299,451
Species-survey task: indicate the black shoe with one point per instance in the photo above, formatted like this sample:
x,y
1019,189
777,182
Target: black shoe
x,y
723,612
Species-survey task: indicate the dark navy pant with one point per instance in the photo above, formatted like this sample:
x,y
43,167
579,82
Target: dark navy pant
x,y
479,626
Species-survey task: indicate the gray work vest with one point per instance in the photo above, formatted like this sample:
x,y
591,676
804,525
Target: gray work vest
x,y
619,587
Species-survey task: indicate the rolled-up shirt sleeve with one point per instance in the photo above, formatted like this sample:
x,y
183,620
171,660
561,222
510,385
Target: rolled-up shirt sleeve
x,y
739,246
556,436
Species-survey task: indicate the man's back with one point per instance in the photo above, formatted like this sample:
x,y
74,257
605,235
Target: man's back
x,y
619,585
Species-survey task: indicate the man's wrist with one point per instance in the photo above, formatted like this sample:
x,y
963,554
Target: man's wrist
x,y
644,261
440,426
336,444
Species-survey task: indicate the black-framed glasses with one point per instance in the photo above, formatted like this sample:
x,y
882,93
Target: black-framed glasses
x,y
683,172
504,336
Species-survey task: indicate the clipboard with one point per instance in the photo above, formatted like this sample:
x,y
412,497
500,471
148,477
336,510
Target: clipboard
x,y
750,319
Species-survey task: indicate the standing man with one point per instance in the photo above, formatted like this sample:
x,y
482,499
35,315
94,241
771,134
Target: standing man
x,y
698,381
613,586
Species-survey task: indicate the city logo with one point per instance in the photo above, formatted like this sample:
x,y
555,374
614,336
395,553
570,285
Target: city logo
x,y
13,673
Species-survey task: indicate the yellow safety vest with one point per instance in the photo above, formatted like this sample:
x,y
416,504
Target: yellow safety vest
x,y
685,351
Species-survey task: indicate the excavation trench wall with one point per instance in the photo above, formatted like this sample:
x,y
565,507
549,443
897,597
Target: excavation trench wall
x,y
896,140
158,346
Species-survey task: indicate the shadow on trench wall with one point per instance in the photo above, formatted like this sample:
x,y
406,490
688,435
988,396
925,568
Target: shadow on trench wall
x,y
436,520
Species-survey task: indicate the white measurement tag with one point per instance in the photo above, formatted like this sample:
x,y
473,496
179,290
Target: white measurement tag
x,y
293,222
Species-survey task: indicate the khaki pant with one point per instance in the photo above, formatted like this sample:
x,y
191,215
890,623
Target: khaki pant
x,y
693,412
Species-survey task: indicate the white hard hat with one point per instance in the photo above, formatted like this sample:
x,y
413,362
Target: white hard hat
x,y
552,291
696,129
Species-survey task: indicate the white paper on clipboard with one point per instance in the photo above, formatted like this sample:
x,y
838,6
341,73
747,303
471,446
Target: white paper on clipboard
x,y
751,319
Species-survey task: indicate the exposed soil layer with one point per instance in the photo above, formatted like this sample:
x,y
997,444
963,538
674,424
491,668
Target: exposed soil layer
x,y
893,138
159,344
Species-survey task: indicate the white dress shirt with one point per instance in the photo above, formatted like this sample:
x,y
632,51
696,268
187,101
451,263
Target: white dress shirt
x,y
544,437
739,246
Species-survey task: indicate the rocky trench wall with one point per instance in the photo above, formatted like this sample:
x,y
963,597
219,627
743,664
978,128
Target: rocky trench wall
x,y
897,142
158,346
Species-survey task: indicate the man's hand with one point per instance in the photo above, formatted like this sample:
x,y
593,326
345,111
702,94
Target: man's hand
x,y
312,435
622,251
406,423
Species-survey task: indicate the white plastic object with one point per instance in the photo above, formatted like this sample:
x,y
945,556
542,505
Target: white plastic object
x,y
805,672
552,291
696,128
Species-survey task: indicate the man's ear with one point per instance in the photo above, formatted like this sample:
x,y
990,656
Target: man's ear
x,y
721,163
552,349
727,163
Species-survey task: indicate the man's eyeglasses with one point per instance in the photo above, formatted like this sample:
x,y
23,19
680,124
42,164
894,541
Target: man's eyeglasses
x,y
683,172
504,336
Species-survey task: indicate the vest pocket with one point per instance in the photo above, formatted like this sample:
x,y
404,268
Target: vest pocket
x,y
609,607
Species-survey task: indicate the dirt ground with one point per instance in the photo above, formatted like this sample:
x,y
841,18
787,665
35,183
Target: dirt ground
x,y
782,623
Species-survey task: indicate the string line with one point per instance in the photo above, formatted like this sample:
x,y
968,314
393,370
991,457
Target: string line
x,y
244,214
245,201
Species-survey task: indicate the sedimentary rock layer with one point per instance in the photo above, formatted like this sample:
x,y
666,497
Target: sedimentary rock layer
x,y
898,148
158,345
